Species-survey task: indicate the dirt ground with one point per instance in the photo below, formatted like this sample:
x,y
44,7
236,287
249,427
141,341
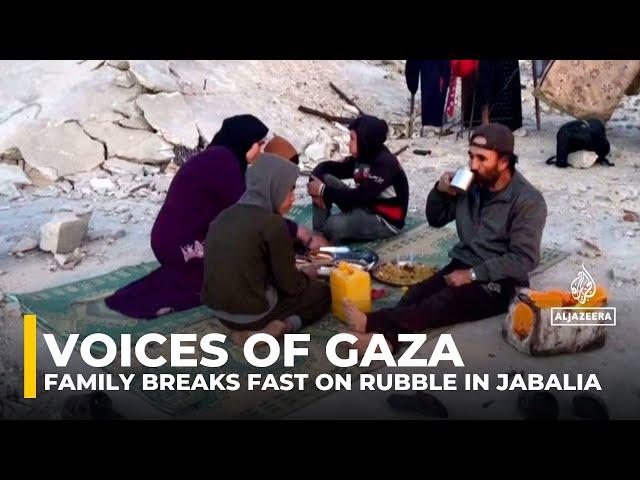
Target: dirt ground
x,y
583,204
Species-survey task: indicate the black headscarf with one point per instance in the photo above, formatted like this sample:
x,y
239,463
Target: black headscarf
x,y
238,134
371,133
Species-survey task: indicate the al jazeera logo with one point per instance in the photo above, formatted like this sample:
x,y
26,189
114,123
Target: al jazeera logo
x,y
583,290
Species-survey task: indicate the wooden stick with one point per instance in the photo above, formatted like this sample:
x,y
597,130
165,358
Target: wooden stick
x,y
328,117
344,97
401,150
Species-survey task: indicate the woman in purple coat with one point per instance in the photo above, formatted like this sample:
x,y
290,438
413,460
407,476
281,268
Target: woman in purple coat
x,y
207,183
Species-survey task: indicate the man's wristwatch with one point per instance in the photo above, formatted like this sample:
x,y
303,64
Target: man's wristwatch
x,y
472,275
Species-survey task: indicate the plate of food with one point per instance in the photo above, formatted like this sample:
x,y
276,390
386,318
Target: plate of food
x,y
316,259
328,258
402,274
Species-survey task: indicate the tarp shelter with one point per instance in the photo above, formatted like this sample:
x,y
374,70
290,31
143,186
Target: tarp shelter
x,y
588,88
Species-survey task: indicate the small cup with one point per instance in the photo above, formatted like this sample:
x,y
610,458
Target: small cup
x,y
462,180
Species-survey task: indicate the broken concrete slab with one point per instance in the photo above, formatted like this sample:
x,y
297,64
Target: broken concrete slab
x,y
68,261
47,192
317,151
119,64
128,109
11,156
171,116
61,150
125,80
65,186
161,183
64,233
12,176
136,187
92,64
209,111
102,185
129,144
119,166
154,75
151,170
136,122
89,95
26,244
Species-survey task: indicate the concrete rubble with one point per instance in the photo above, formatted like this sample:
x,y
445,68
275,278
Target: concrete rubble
x,y
11,177
64,233
171,116
154,75
209,112
119,166
102,185
136,123
119,64
69,261
111,136
61,150
125,80
161,183
26,244
130,144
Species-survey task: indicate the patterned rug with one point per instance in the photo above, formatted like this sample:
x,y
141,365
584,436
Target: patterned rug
x,y
79,308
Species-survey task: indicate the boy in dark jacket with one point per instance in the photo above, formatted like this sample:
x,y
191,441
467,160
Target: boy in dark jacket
x,y
376,208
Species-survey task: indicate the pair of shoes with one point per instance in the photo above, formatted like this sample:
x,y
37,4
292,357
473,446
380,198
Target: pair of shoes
x,y
423,403
92,406
544,406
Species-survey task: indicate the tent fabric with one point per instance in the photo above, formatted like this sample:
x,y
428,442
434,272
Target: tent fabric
x,y
587,88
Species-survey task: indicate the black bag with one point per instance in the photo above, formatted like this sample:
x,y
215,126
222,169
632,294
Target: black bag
x,y
589,135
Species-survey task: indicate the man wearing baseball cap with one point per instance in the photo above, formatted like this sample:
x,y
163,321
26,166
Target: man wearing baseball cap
x,y
499,220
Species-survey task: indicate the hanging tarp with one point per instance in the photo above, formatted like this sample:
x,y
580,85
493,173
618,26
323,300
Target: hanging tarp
x,y
587,88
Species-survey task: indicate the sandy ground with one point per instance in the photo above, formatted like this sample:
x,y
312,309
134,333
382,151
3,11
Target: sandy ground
x,y
582,204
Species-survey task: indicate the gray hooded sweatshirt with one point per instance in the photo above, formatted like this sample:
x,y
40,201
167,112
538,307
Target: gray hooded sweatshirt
x,y
249,258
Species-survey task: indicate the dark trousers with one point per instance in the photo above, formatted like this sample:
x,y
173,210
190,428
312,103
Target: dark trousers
x,y
432,303
434,80
356,224
311,305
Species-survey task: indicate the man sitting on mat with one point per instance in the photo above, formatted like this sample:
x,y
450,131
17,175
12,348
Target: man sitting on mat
x,y
499,221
